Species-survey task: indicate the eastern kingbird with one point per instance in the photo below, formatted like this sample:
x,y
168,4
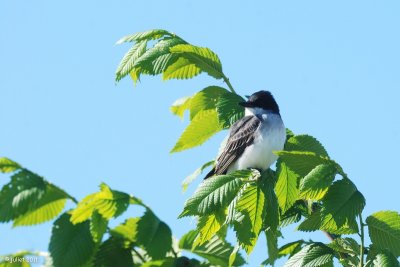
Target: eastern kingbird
x,y
253,138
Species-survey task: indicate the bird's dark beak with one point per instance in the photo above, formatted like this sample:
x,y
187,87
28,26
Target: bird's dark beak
x,y
246,104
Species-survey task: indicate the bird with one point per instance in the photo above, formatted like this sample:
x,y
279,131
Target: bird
x,y
253,138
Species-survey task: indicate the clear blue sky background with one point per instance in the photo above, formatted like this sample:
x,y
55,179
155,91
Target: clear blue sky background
x,y
333,66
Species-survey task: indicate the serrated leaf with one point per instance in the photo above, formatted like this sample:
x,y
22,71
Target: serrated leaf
x,y
46,209
204,58
167,262
286,187
154,235
251,206
109,203
180,106
301,162
216,251
154,60
127,230
113,253
272,245
208,98
71,245
345,245
385,259
7,165
313,255
252,203
342,204
128,61
229,110
209,225
317,221
181,69
287,249
189,179
98,226
305,143
147,35
316,183
215,193
384,230
29,199
200,129
271,220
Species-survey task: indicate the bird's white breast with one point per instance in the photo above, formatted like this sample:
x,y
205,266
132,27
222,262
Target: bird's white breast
x,y
269,137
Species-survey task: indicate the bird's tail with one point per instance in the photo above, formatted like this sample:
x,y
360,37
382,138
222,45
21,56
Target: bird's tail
x,y
210,173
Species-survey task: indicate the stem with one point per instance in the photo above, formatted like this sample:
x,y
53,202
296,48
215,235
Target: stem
x,y
362,241
226,80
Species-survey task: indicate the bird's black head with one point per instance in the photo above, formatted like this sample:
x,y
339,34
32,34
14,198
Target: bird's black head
x,y
261,99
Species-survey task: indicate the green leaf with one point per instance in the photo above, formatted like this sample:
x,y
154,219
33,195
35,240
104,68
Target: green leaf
x,y
286,187
313,255
71,244
113,253
167,262
109,203
316,222
180,106
147,35
287,249
188,180
233,255
271,220
127,230
29,199
157,58
384,230
272,245
345,245
128,61
301,162
229,110
216,251
154,235
46,208
181,69
215,193
7,165
208,98
98,226
316,183
209,225
305,143
385,259
203,58
201,128
251,206
342,204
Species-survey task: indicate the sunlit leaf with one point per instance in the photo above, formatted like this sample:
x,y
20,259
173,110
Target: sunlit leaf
x,y
384,230
316,183
286,187
108,203
215,193
7,165
200,129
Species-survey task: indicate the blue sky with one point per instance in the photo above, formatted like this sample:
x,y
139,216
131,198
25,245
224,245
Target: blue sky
x,y
333,67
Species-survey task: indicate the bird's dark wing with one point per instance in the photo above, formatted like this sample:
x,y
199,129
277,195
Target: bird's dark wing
x,y
241,136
